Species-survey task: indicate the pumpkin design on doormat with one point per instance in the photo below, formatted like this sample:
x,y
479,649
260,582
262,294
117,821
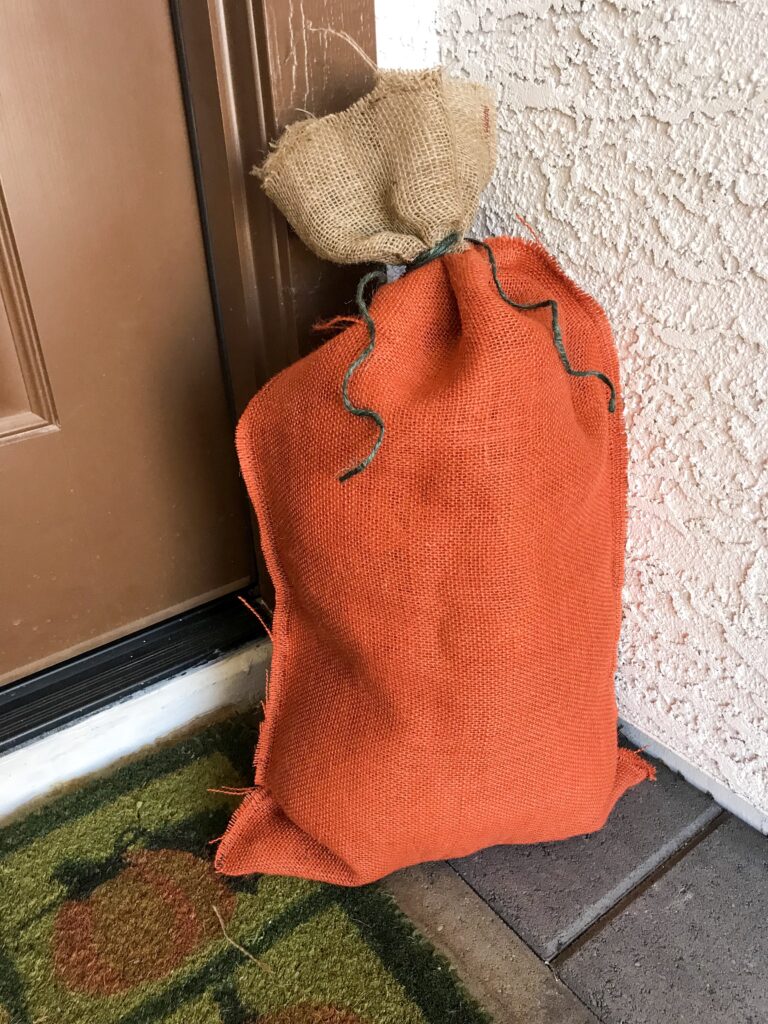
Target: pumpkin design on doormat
x,y
111,913
140,925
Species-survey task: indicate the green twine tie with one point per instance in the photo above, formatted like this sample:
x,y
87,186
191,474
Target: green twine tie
x,y
380,276
435,252
440,249
557,337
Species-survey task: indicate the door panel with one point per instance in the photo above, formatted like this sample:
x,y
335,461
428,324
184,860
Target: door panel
x,y
120,496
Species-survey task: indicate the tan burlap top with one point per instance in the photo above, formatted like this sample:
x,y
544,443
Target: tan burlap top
x,y
392,175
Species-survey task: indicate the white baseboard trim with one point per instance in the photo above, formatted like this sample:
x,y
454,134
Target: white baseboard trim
x,y
95,742
727,799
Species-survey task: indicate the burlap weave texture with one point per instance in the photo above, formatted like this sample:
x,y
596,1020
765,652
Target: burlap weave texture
x,y
393,174
446,623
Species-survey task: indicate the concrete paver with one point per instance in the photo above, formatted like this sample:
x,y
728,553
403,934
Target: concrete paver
x,y
497,968
692,948
552,892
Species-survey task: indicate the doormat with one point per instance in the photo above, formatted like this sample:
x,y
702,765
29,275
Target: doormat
x,y
111,913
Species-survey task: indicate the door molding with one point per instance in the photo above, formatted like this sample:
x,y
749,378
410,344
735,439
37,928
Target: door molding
x,y
249,68
29,407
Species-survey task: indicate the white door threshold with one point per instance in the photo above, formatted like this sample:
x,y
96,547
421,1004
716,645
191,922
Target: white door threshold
x,y
95,742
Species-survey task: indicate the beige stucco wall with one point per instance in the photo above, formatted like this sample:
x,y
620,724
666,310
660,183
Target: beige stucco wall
x,y
634,136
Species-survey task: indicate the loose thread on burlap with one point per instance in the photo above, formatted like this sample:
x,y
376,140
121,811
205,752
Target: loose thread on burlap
x,y
233,790
256,615
379,276
557,336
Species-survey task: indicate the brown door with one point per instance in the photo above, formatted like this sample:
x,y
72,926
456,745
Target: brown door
x,y
120,499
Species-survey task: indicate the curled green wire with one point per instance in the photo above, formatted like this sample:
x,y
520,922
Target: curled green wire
x,y
557,336
438,250
379,276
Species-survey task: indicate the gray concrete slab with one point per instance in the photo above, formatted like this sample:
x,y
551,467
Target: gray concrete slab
x,y
552,892
692,948
497,968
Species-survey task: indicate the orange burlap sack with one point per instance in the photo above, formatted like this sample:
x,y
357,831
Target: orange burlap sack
x,y
446,621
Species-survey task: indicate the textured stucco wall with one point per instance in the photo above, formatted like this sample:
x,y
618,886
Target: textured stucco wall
x,y
634,136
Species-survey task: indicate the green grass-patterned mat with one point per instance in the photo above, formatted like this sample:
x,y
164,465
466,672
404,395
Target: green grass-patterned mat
x,y
107,916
